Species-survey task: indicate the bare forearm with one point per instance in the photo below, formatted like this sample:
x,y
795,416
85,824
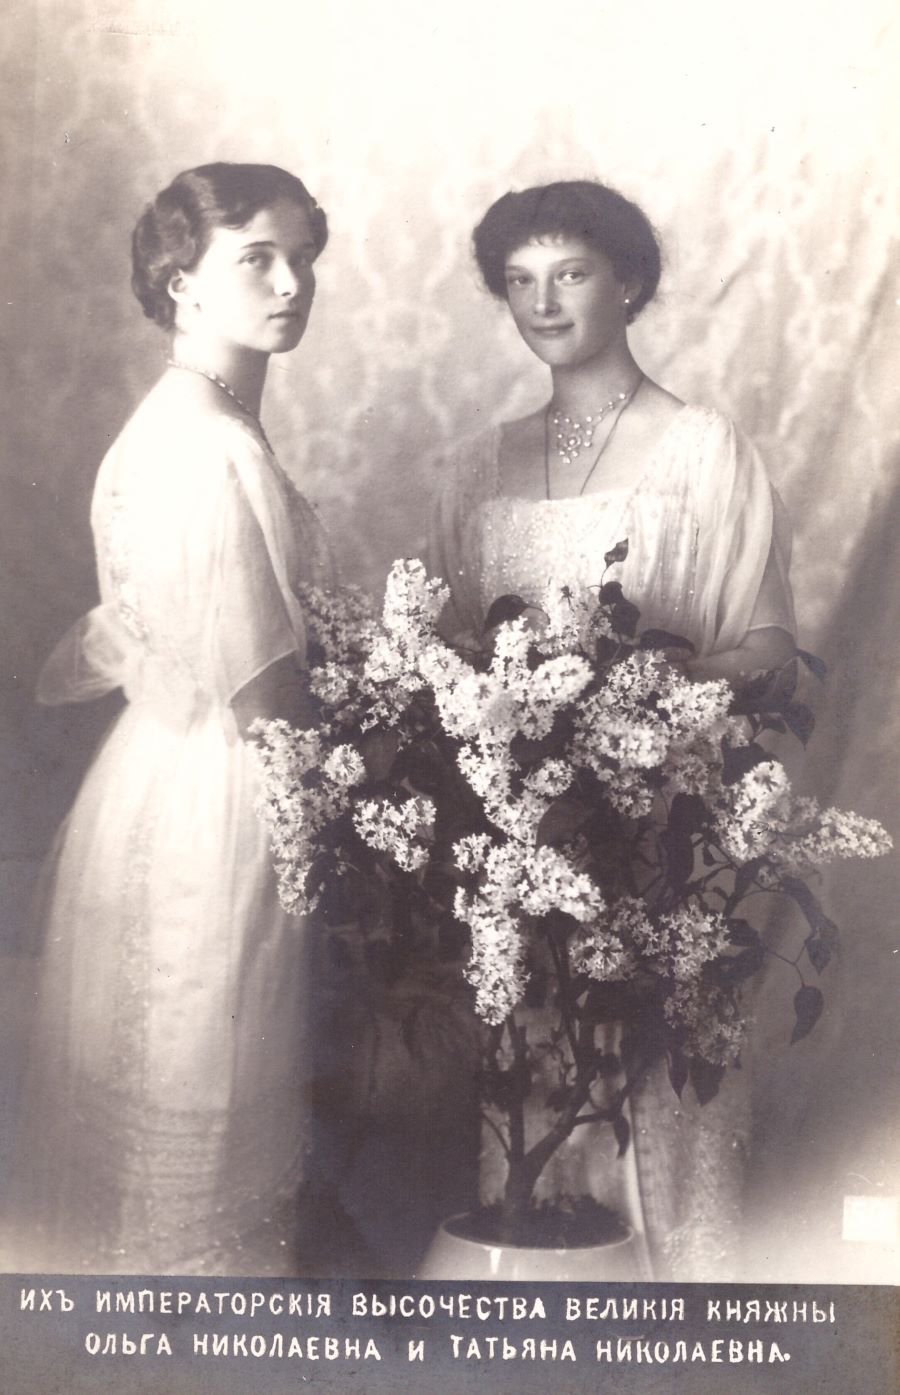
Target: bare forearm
x,y
762,650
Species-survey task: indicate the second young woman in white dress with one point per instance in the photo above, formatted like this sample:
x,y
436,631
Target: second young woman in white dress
x,y
538,502
165,1109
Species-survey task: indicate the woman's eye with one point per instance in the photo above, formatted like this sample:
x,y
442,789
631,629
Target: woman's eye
x,y
571,278
520,280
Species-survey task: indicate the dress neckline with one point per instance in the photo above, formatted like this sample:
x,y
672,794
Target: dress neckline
x,y
628,490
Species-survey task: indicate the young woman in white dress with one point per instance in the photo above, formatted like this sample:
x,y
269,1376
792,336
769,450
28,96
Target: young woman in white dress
x,y
165,1110
612,456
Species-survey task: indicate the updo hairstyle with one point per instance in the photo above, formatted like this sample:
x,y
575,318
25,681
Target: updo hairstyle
x,y
579,208
174,231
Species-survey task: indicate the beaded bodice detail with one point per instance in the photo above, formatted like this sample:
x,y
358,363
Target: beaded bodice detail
x,y
704,530
527,545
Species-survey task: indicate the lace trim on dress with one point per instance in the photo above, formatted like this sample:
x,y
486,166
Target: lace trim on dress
x,y
119,569
691,1161
128,1042
150,1212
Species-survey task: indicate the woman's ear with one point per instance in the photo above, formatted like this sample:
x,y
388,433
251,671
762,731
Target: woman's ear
x,y
630,292
182,290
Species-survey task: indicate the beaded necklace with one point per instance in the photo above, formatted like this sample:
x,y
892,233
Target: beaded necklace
x,y
572,437
621,405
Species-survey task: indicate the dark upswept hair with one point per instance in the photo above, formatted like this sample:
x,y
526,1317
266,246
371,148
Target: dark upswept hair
x,y
580,208
174,231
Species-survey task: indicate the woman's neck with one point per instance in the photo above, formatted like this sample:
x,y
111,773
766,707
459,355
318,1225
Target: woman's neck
x,y
585,388
244,370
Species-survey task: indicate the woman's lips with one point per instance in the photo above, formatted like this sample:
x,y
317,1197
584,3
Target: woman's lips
x,y
550,331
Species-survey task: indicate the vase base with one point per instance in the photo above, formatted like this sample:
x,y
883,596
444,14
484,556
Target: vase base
x,y
452,1255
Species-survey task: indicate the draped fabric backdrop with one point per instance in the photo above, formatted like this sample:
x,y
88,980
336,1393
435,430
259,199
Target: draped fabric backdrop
x,y
761,140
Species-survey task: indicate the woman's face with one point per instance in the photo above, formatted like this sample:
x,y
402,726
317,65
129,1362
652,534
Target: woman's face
x,y
566,300
254,286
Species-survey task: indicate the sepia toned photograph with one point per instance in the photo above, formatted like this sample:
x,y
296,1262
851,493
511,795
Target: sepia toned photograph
x,y
450,701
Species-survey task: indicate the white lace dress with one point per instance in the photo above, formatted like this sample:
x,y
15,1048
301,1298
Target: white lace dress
x,y
708,554
164,1115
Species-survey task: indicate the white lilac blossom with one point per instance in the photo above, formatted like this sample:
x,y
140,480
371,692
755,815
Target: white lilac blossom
x,y
693,771
695,707
694,938
675,948
516,880
553,685
412,601
535,694
297,800
488,768
471,703
631,924
448,675
392,672
551,883
713,1024
399,830
341,622
344,766
573,621
648,717
549,779
330,683
753,810
597,951
759,816
470,852
633,743
496,967
836,833
510,697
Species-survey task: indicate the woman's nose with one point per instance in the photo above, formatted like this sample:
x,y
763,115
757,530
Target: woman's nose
x,y
545,302
286,281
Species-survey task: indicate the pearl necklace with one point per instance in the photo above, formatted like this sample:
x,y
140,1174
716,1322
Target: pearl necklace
x,y
225,387
572,437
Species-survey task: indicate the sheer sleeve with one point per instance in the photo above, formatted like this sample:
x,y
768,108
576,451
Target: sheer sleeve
x,y
92,658
453,552
744,543
774,602
222,606
253,618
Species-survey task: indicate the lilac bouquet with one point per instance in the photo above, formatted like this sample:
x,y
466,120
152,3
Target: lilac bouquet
x,y
586,827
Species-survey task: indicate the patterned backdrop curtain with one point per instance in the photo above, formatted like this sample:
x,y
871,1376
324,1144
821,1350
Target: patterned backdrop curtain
x,y
761,140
